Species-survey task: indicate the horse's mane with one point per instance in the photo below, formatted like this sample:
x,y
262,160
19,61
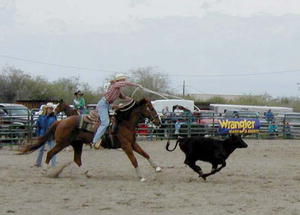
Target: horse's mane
x,y
125,115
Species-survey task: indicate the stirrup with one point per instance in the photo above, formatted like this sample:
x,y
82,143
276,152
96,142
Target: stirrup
x,y
97,145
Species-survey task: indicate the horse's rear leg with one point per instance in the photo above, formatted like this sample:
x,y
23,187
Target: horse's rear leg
x,y
128,150
140,151
57,148
77,153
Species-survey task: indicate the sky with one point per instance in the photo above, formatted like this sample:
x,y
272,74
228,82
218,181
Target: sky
x,y
215,46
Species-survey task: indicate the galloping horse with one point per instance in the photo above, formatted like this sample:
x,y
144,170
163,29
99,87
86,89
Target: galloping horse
x,y
66,133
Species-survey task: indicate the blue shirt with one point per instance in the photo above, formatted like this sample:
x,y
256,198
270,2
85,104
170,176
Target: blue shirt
x,y
272,128
269,116
44,122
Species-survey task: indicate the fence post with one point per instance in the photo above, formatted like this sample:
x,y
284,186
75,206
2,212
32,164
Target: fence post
x,y
189,126
213,127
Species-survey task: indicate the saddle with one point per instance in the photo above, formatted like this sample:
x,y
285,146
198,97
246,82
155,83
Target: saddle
x,y
89,122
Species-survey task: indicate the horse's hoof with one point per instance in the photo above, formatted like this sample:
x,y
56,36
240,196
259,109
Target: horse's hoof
x,y
44,172
200,174
88,175
158,169
143,179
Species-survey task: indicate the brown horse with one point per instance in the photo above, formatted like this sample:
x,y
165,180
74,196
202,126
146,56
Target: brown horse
x,y
63,107
66,133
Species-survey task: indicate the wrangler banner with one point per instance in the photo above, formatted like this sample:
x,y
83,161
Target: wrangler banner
x,y
240,126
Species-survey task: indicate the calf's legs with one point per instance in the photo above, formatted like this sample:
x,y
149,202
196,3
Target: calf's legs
x,y
192,164
214,170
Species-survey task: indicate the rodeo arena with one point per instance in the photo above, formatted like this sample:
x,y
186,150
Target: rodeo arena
x,y
179,159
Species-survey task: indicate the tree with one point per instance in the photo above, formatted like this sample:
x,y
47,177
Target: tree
x,y
12,84
151,78
17,85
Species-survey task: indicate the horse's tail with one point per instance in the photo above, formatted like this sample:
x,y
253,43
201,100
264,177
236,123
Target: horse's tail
x,y
168,144
40,140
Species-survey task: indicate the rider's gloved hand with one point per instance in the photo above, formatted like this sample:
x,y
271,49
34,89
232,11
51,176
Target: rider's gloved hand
x,y
115,106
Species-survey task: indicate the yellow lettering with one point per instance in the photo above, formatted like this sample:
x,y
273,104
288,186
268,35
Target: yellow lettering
x,y
245,126
223,123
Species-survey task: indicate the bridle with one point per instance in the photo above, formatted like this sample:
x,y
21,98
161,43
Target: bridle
x,y
151,111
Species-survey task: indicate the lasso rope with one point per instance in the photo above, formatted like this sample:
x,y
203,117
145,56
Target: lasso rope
x,y
163,95
153,92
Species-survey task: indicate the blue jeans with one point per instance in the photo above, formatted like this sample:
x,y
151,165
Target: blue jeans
x,y
41,153
102,108
178,126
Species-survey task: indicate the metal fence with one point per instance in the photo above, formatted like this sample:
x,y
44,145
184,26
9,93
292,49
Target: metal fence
x,y
194,126
17,129
14,129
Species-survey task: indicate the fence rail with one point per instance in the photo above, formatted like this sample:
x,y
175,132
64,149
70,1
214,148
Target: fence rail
x,y
194,126
16,130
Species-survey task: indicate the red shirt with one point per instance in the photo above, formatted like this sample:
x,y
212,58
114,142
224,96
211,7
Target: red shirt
x,y
114,90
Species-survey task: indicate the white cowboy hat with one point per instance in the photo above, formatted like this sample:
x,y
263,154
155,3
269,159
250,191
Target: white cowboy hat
x,y
120,77
49,105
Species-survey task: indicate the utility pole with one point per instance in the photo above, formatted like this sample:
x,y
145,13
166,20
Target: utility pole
x,y
183,88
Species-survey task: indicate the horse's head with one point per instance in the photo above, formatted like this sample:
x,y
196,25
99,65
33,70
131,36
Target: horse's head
x,y
147,111
61,107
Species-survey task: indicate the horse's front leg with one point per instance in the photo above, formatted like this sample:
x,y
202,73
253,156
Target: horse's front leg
x,y
140,151
77,146
128,150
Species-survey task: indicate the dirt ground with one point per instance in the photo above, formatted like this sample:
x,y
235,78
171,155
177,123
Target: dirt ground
x,y
262,179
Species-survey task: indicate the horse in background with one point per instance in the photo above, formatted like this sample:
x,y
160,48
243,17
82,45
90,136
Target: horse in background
x,y
67,109
66,133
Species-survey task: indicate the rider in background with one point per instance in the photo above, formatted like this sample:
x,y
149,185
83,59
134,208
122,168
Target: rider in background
x,y
112,93
79,102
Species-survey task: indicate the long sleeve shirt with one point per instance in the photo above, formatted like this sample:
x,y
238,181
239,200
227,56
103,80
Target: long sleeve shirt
x,y
114,91
44,122
79,103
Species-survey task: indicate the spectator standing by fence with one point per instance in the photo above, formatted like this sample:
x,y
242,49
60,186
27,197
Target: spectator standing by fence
x,y
287,133
79,102
179,120
45,120
273,129
166,111
269,116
